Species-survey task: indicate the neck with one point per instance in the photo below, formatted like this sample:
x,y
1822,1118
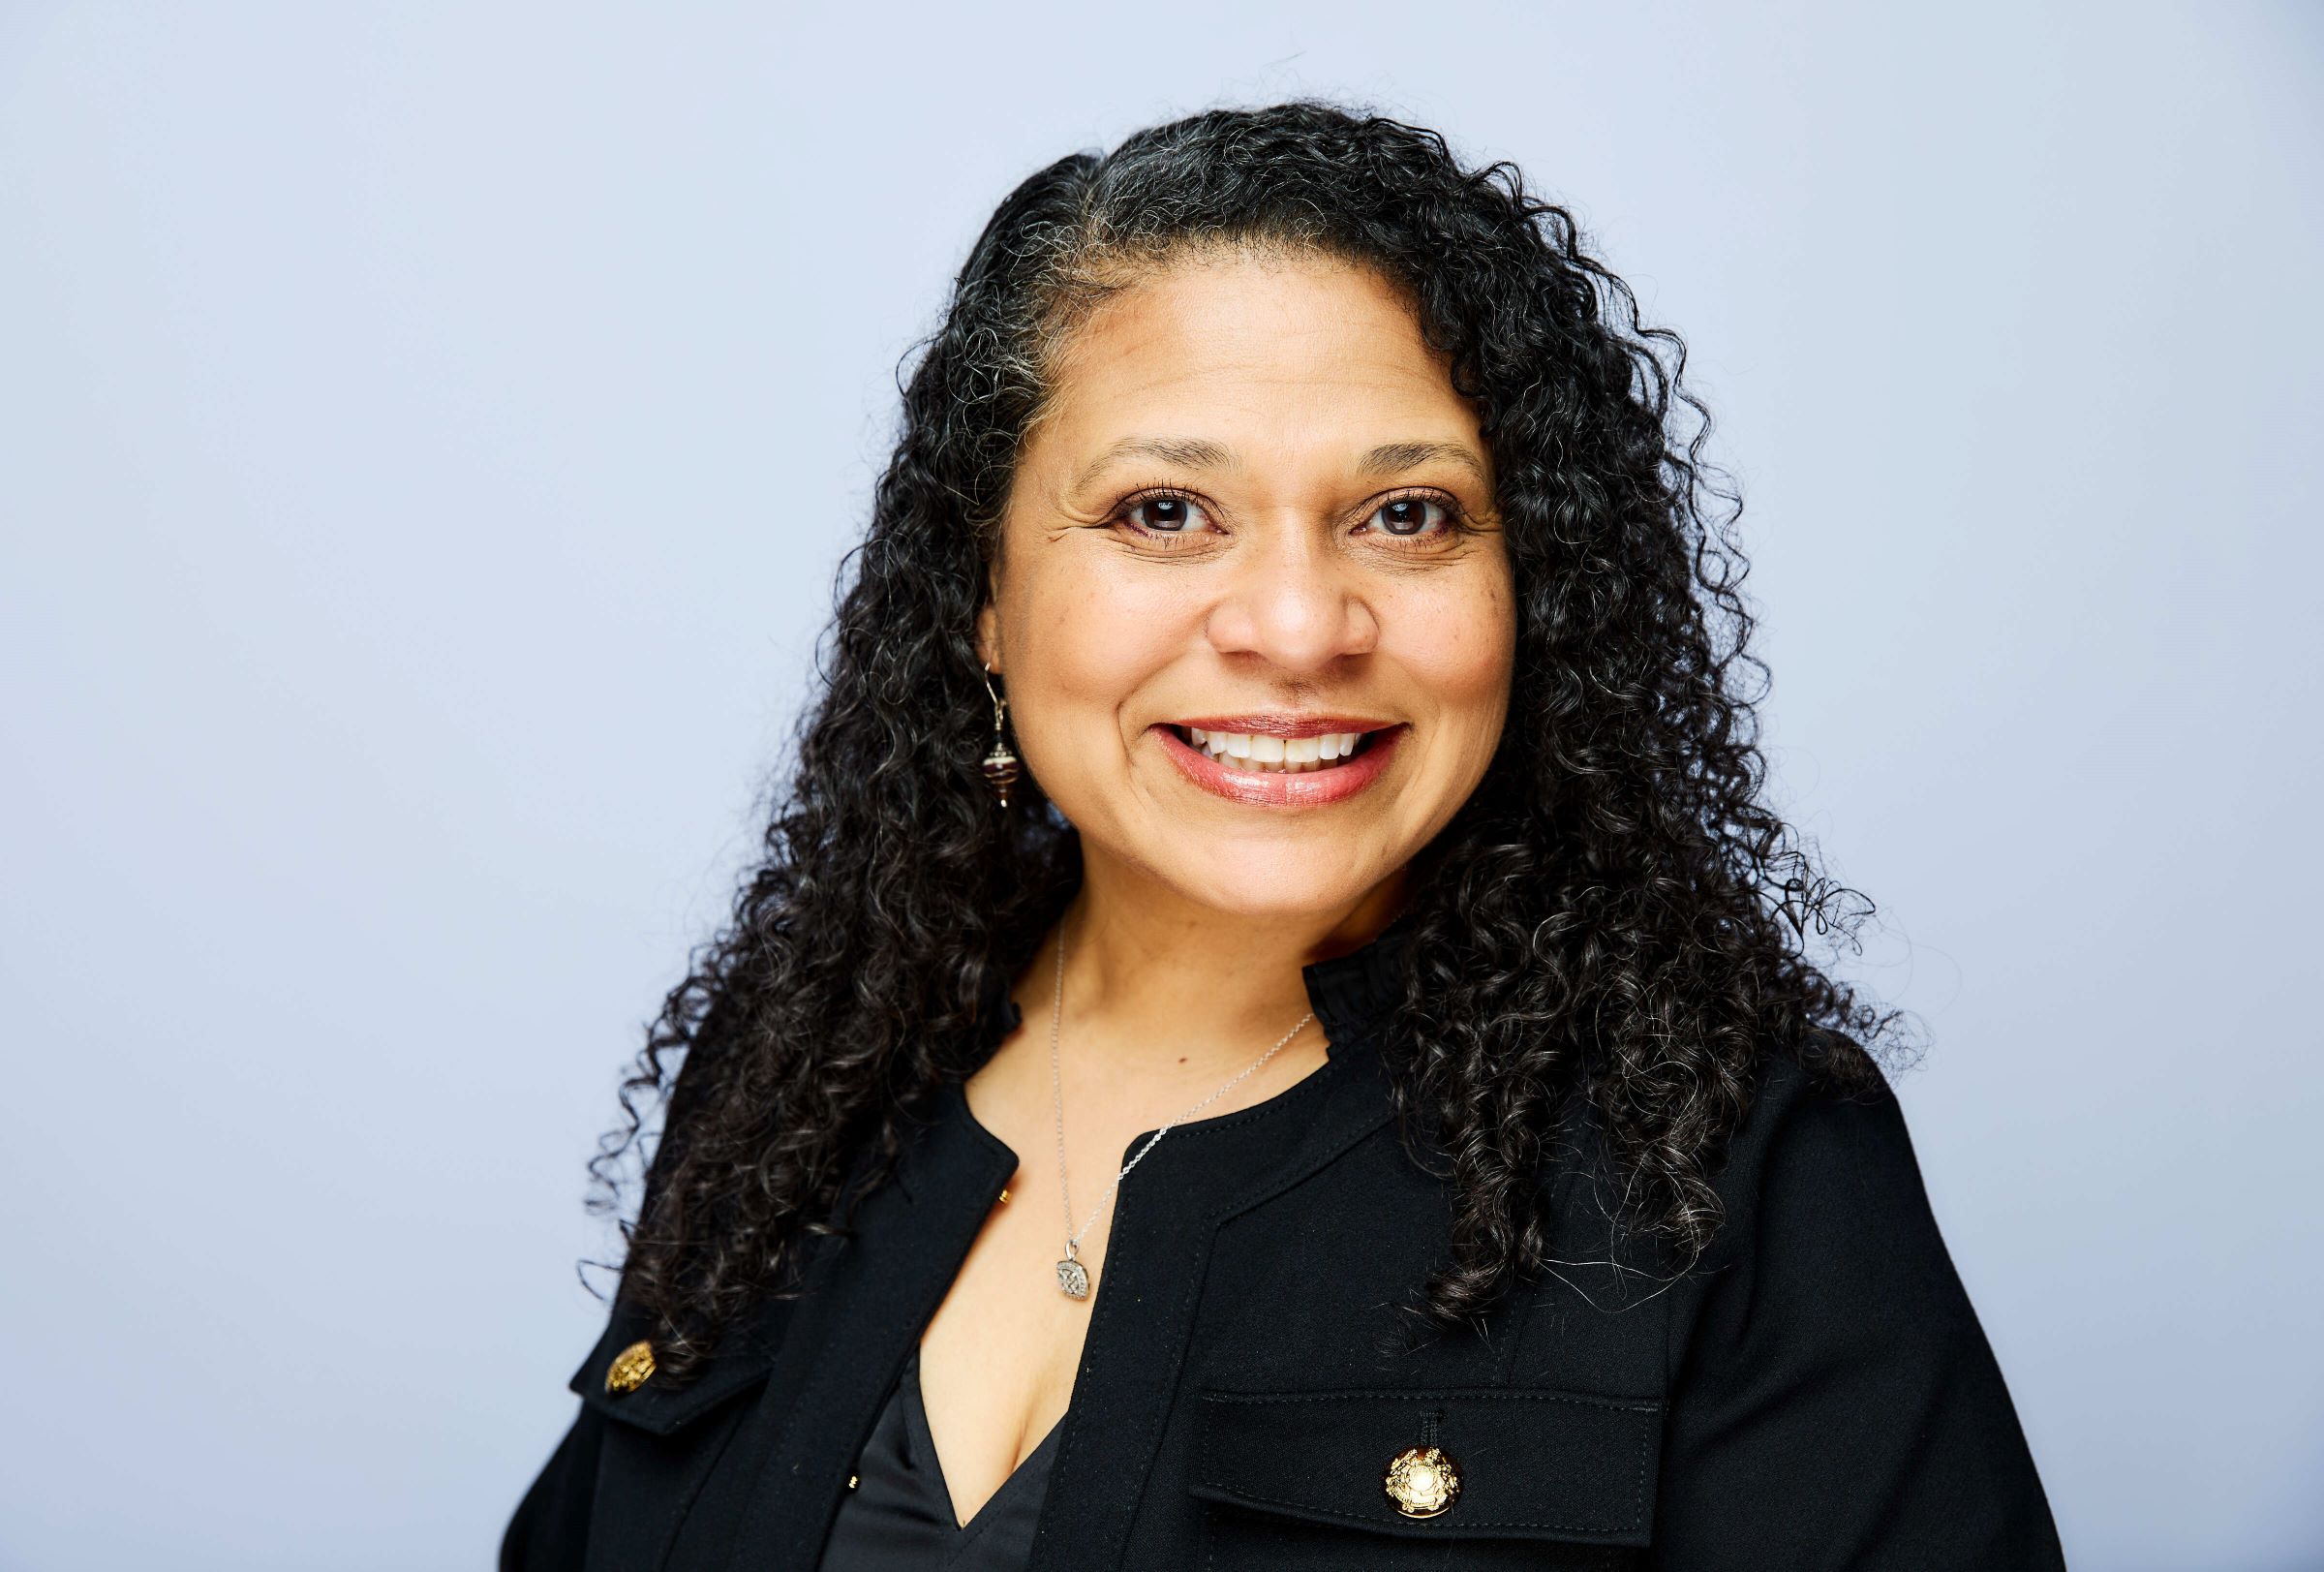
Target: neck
x,y
1160,980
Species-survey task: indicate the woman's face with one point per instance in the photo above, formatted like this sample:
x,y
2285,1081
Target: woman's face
x,y
1251,605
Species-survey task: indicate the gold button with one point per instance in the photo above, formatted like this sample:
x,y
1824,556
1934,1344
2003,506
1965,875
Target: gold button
x,y
629,1369
1422,1481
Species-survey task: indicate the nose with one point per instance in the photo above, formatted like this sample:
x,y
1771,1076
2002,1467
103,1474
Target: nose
x,y
1296,606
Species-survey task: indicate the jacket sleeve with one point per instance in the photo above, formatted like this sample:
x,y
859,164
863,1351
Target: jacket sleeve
x,y
550,1530
1834,1401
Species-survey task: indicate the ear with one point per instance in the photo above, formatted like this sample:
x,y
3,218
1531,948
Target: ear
x,y
988,636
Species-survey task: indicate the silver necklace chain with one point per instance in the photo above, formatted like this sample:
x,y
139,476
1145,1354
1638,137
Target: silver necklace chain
x,y
1070,1271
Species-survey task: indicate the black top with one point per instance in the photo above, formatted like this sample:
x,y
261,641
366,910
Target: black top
x,y
1816,1393
899,1514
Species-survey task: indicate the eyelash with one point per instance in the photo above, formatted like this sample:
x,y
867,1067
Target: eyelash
x,y
1456,521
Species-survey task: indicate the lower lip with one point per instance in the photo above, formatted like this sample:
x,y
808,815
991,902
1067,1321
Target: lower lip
x,y
1283,788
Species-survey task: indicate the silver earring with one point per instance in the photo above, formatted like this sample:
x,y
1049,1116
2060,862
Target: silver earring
x,y
1000,765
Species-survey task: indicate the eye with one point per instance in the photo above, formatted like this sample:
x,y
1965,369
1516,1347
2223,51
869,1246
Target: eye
x,y
1405,518
1167,514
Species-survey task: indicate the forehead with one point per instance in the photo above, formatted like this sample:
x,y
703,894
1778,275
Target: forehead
x,y
1307,349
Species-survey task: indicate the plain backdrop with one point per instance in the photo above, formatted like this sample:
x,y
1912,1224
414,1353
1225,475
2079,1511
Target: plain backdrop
x,y
427,437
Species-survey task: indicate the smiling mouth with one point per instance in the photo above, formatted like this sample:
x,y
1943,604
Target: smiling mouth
x,y
1259,753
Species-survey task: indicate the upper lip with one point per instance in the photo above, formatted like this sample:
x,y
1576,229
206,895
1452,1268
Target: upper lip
x,y
1285,726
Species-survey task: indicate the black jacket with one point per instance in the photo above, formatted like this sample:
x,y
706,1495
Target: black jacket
x,y
1815,1394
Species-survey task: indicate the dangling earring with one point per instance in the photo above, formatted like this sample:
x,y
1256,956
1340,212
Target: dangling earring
x,y
1000,765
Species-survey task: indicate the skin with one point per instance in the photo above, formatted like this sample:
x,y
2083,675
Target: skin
x,y
1283,590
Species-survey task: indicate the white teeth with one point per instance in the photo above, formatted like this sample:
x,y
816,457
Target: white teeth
x,y
1261,751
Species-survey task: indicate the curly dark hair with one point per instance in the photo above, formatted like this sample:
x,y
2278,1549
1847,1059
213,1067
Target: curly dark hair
x,y
1613,927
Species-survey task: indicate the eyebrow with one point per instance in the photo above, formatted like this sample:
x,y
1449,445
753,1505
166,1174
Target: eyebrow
x,y
1191,451
1396,457
1195,453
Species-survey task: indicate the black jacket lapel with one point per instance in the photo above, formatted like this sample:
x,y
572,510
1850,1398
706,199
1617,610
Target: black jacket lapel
x,y
853,1334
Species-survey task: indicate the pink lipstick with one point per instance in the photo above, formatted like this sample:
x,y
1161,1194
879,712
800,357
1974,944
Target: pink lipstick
x,y
1273,760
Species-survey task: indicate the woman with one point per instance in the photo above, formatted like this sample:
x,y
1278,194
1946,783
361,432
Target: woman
x,y
1272,1029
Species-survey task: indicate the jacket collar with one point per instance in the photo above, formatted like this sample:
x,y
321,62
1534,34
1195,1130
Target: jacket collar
x,y
1353,994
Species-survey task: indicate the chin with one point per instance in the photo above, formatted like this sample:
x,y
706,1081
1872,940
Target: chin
x,y
1236,879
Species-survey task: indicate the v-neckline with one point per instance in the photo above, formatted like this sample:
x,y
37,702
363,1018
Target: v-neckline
x,y
915,1413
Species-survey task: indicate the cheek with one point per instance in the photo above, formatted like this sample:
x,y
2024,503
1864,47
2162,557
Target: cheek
x,y
1457,642
1081,646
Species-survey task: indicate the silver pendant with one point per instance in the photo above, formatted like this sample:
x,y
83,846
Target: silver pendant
x,y
1073,1279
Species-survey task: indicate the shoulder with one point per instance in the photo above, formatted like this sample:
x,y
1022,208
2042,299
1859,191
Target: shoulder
x,y
1821,1153
1824,1353
1826,1213
1819,1167
1829,1272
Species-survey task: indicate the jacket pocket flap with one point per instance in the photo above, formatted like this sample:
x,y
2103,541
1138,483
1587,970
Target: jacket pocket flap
x,y
656,1404
1531,1464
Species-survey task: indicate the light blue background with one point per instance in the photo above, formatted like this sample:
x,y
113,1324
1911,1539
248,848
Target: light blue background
x,y
426,438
